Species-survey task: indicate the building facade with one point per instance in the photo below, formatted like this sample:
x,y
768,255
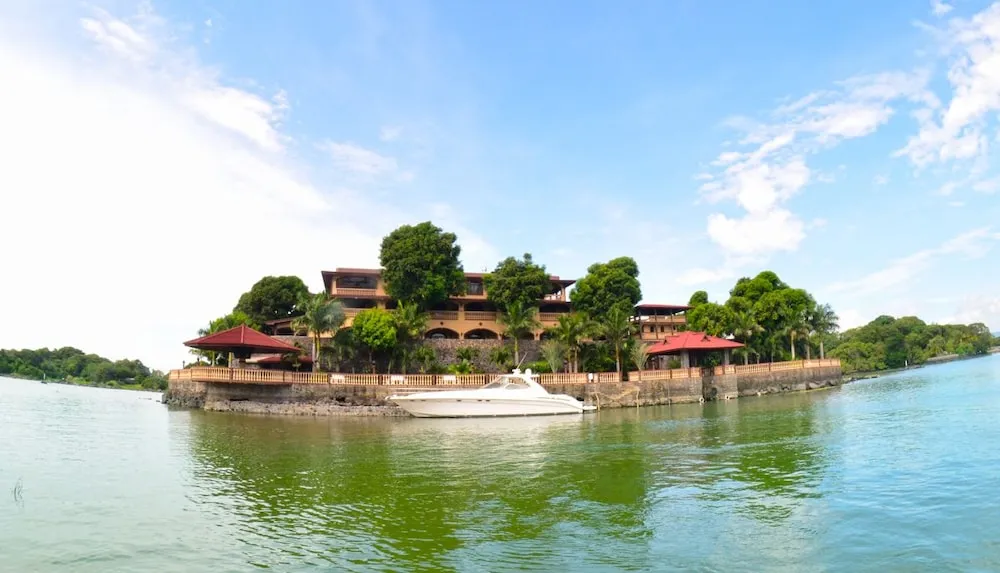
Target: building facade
x,y
472,316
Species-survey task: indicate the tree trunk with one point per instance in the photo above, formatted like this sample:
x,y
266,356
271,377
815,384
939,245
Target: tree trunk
x,y
746,358
791,344
618,361
315,354
822,354
517,355
808,350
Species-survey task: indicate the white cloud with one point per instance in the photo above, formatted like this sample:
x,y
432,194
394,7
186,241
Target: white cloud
x,y
357,159
977,308
761,180
881,180
972,244
939,8
140,217
956,131
699,276
850,318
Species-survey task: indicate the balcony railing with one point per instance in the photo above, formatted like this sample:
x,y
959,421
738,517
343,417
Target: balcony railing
x,y
550,316
358,292
444,315
481,315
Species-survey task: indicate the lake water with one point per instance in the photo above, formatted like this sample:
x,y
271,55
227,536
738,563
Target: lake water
x,y
900,473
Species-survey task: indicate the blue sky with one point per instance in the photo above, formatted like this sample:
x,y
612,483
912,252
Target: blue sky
x,y
845,145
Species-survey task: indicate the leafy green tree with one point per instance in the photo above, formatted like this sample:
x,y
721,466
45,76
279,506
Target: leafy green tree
x,y
699,297
517,281
272,298
614,284
320,315
617,328
519,321
411,323
375,329
744,328
571,330
796,327
554,353
421,265
711,318
221,324
502,357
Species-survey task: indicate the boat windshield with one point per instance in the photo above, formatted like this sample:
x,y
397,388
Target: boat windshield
x,y
506,382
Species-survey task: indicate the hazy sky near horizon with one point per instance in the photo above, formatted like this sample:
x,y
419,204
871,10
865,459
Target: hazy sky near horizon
x,y
160,157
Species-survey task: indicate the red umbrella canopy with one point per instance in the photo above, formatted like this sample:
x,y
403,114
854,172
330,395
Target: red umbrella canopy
x,y
241,340
692,340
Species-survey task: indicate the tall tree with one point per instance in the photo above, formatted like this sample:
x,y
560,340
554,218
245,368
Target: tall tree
x,y
614,284
272,298
375,328
617,328
823,322
571,330
320,315
745,327
699,297
519,320
411,323
711,318
517,281
231,320
420,265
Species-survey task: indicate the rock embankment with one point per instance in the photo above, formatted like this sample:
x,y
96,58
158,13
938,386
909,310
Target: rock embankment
x,y
318,408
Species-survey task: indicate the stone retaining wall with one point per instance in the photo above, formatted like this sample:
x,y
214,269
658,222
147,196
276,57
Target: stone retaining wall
x,y
350,399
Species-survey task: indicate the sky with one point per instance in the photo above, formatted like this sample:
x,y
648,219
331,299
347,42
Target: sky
x,y
158,158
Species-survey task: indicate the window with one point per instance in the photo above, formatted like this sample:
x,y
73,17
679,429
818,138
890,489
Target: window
x,y
474,288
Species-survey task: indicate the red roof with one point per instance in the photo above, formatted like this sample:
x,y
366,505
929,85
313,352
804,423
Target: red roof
x,y
241,337
690,340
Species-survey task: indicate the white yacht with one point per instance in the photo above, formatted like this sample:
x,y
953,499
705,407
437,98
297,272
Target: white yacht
x,y
514,394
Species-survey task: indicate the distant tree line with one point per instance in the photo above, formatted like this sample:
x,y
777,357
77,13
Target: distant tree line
x,y
72,365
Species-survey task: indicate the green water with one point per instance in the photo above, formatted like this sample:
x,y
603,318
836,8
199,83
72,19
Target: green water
x,y
893,474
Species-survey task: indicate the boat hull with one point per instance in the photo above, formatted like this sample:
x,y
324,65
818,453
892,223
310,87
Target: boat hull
x,y
431,407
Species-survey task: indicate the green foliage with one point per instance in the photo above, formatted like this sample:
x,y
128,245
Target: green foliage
x,y
554,353
699,297
320,315
616,328
503,357
597,356
572,329
614,284
517,281
375,329
714,319
420,265
538,367
519,321
72,365
639,354
271,298
223,323
411,323
888,342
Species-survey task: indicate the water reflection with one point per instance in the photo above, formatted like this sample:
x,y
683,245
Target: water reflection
x,y
451,494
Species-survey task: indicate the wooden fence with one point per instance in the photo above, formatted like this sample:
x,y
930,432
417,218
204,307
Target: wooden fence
x,y
255,376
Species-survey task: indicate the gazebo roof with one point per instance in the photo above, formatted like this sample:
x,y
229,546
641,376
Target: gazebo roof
x,y
242,337
691,340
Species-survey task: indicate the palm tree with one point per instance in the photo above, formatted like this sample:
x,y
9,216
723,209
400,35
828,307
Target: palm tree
x,y
744,327
519,320
797,327
571,331
411,323
319,315
554,352
639,353
823,321
617,328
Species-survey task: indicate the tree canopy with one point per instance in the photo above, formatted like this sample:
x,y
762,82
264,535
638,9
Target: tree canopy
x,y
889,342
517,281
272,298
420,265
72,365
614,284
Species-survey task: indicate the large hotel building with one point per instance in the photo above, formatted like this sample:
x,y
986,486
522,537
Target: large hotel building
x,y
471,316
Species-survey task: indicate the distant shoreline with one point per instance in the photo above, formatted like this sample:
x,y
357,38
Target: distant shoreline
x,y
83,384
944,359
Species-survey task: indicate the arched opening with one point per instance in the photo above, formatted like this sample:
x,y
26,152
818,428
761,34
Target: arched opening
x,y
441,334
546,336
481,334
525,336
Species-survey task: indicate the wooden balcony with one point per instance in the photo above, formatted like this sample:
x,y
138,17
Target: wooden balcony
x,y
444,315
550,316
481,315
355,292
